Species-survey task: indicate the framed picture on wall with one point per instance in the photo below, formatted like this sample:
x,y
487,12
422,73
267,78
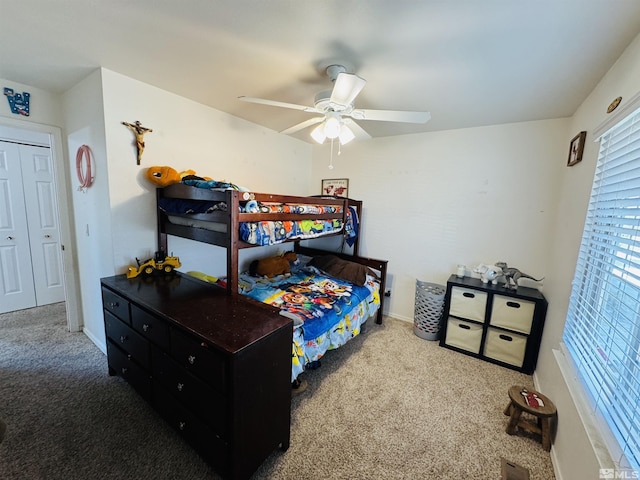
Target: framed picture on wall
x,y
576,147
336,186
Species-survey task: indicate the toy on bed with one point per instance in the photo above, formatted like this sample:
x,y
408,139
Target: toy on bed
x,y
163,176
272,266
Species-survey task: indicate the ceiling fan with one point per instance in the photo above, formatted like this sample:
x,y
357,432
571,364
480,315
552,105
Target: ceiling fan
x,y
337,111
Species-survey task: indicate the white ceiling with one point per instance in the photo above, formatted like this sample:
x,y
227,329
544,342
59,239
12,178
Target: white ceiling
x,y
469,63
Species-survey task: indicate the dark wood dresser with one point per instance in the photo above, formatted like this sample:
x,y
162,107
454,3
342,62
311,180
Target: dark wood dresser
x,y
217,367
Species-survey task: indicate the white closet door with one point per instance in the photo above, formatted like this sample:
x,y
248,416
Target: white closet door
x,y
17,290
42,221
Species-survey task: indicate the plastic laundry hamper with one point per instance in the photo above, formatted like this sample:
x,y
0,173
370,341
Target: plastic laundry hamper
x,y
428,311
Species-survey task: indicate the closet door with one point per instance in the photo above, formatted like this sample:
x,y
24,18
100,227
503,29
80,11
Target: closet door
x,y
30,250
17,290
42,222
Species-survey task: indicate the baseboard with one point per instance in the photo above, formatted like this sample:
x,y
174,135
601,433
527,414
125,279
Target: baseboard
x,y
97,342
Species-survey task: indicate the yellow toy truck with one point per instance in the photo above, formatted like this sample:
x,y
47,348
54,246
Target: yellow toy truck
x,y
160,263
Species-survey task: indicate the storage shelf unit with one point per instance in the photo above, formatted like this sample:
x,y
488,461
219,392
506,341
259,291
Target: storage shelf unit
x,y
217,367
493,323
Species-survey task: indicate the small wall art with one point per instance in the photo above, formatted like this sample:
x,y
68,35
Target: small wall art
x,y
18,102
336,186
576,147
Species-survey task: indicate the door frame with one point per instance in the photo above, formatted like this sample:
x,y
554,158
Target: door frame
x,y
63,195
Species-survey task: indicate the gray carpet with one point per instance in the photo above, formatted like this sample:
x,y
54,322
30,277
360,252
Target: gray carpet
x,y
387,405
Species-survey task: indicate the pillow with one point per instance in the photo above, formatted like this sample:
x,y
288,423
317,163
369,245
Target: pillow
x,y
343,269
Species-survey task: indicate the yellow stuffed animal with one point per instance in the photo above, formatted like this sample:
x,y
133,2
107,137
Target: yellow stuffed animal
x,y
163,176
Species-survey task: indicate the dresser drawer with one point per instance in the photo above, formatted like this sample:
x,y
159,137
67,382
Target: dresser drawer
x,y
506,347
116,305
124,366
468,303
127,339
192,392
200,359
153,328
512,313
196,432
464,335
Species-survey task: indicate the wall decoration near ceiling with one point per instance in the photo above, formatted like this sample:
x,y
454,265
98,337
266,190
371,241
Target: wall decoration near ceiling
x,y
576,147
18,102
139,131
613,105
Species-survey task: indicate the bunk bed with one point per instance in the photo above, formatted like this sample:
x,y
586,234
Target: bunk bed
x,y
236,220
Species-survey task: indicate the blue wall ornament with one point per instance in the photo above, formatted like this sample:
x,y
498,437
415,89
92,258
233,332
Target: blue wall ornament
x,y
18,102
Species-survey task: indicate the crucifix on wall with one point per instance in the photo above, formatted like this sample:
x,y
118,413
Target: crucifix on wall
x,y
139,131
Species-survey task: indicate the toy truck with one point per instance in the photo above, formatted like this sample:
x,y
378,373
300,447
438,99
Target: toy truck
x,y
160,263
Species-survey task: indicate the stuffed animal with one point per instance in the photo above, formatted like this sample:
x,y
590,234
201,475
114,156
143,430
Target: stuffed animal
x,y
272,266
161,176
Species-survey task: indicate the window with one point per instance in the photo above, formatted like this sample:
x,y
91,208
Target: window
x,y
602,331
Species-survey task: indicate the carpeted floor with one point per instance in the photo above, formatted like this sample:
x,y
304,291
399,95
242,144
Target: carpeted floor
x,y
387,405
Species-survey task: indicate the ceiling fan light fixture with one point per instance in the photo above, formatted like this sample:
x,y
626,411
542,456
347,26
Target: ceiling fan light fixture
x,y
346,135
332,126
318,134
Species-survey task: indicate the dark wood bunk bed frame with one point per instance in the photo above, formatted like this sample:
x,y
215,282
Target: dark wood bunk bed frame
x,y
232,217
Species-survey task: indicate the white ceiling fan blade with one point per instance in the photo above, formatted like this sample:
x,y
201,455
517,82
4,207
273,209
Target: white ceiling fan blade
x,y
346,88
357,130
274,103
391,116
300,126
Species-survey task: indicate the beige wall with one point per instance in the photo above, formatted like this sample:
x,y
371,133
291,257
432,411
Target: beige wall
x,y
470,196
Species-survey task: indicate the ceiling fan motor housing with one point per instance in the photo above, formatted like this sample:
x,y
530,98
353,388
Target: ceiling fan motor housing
x,y
323,104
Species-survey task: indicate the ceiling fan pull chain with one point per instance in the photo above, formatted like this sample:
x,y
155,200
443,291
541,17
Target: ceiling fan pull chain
x,y
331,156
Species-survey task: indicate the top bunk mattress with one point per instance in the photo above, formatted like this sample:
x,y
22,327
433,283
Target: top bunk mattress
x,y
211,215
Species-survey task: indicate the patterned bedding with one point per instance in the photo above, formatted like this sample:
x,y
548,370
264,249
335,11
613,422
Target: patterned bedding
x,y
263,232
327,312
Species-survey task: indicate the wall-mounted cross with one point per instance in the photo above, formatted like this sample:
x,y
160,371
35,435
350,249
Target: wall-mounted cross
x,y
139,131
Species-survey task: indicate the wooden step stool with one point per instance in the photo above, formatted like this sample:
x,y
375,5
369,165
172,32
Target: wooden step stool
x,y
544,414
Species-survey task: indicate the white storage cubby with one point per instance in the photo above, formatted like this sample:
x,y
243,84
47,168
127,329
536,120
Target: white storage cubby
x,y
464,335
493,323
468,303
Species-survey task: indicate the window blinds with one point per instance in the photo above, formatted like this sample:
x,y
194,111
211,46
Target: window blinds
x,y
602,331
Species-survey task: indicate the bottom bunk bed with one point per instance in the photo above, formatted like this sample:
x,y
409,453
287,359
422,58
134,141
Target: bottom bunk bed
x,y
328,296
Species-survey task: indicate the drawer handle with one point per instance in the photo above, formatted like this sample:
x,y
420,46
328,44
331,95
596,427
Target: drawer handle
x,y
468,295
466,327
513,304
123,338
180,386
182,425
506,337
114,304
191,359
146,327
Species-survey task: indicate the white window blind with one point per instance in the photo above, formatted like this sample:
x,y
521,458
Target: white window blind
x,y
602,331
